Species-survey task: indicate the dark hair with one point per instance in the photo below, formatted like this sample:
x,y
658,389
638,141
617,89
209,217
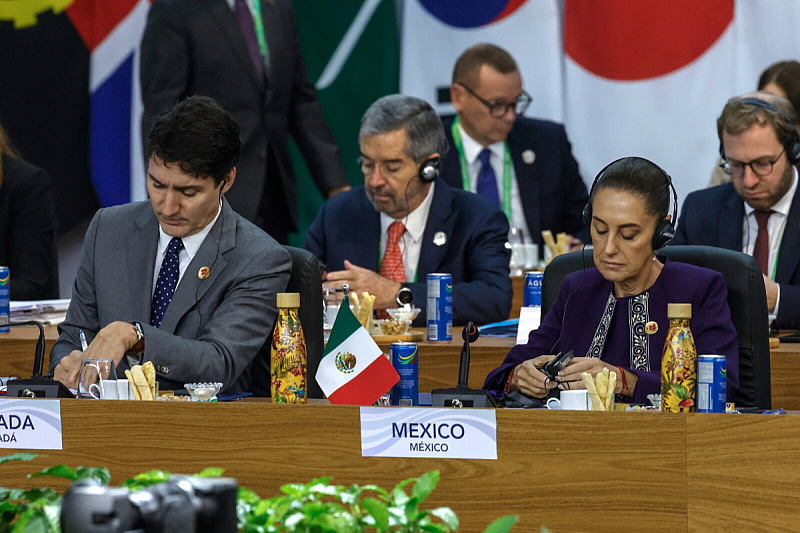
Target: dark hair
x,y
641,178
423,127
468,66
199,136
738,116
5,144
786,75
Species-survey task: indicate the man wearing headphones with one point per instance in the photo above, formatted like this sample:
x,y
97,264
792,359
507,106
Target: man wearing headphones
x,y
758,212
386,236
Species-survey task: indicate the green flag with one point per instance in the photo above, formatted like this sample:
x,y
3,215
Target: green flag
x,y
352,52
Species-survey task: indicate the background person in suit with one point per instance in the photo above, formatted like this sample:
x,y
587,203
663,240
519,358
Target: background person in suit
x,y
523,165
28,222
180,280
249,61
758,212
386,236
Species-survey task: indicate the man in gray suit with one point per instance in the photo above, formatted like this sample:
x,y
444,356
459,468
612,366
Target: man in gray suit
x,y
180,280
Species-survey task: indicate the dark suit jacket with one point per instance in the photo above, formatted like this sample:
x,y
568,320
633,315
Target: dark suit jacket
x,y
714,217
196,47
552,192
213,328
28,236
348,227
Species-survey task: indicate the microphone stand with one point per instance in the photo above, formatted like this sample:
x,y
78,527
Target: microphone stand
x,y
37,386
462,395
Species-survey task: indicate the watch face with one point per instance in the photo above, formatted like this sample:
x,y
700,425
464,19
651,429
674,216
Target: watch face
x,y
404,296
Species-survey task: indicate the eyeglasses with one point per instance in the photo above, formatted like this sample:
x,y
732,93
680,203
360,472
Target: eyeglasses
x,y
760,167
499,109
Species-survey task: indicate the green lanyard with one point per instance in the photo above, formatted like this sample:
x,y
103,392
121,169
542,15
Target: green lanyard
x,y
465,168
259,23
777,255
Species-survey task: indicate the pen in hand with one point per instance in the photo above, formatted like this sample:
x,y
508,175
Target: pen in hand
x,y
83,342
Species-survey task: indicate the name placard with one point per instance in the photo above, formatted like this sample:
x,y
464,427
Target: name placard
x,y
30,424
425,432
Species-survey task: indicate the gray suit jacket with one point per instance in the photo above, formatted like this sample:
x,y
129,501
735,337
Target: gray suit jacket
x,y
213,328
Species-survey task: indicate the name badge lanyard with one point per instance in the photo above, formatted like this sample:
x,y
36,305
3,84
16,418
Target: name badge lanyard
x,y
465,181
258,21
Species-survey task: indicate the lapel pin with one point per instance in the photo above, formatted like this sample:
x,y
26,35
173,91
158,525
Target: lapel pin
x,y
528,156
439,238
204,272
651,327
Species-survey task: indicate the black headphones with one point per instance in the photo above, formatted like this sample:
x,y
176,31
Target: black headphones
x,y
429,169
665,230
792,145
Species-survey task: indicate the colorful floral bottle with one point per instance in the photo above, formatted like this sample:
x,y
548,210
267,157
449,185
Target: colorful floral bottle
x,y
679,363
288,352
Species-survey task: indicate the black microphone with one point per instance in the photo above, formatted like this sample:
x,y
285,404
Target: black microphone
x,y
37,386
470,334
462,395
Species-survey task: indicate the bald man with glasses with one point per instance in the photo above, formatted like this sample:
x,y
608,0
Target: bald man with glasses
x,y
758,212
522,165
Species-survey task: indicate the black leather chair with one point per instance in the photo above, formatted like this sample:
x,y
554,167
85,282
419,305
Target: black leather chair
x,y
306,279
746,298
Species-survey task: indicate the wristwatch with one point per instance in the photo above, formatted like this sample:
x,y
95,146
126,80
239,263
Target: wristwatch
x,y
139,346
404,295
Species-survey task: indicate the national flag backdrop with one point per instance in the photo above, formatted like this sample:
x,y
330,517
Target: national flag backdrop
x,y
627,77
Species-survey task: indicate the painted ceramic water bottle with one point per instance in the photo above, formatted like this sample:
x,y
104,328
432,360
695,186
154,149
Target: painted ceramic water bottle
x,y
288,359
679,362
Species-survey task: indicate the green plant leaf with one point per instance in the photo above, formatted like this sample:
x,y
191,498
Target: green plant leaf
x,y
446,515
101,474
502,524
62,471
145,479
425,485
412,510
10,494
211,472
22,456
378,511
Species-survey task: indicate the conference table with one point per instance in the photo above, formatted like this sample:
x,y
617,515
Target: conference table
x,y
571,471
438,361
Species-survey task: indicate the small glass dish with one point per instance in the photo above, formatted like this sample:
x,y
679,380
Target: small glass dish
x,y
655,399
404,313
203,392
391,327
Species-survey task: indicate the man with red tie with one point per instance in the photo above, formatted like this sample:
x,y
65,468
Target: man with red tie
x,y
758,212
386,236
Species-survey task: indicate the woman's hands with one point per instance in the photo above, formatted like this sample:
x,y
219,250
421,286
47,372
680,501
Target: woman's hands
x,y
529,380
570,377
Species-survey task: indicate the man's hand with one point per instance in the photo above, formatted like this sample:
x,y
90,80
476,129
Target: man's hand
x,y
337,190
111,342
361,279
68,368
772,293
574,244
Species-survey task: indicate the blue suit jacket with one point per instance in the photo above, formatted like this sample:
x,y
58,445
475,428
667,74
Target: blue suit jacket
x,y
348,227
551,189
714,217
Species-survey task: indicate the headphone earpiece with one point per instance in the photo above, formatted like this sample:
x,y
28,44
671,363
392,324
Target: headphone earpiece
x,y
792,146
429,170
665,230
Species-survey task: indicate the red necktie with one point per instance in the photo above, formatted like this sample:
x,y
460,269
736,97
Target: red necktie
x,y
761,249
392,264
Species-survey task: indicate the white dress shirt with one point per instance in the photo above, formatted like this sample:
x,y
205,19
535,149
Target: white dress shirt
x,y
775,226
411,241
472,150
190,246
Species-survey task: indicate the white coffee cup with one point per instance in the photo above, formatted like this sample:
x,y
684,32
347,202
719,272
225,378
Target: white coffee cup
x,y
107,390
123,388
571,400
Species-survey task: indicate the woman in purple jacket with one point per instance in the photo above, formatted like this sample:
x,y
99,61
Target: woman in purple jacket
x,y
615,315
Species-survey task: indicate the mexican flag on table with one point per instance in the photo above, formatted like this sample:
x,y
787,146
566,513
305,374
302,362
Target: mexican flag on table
x,y
353,369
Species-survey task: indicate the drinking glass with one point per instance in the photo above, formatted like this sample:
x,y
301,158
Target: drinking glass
x,y
93,374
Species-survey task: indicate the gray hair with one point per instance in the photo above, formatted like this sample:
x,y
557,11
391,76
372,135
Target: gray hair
x,y
424,130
